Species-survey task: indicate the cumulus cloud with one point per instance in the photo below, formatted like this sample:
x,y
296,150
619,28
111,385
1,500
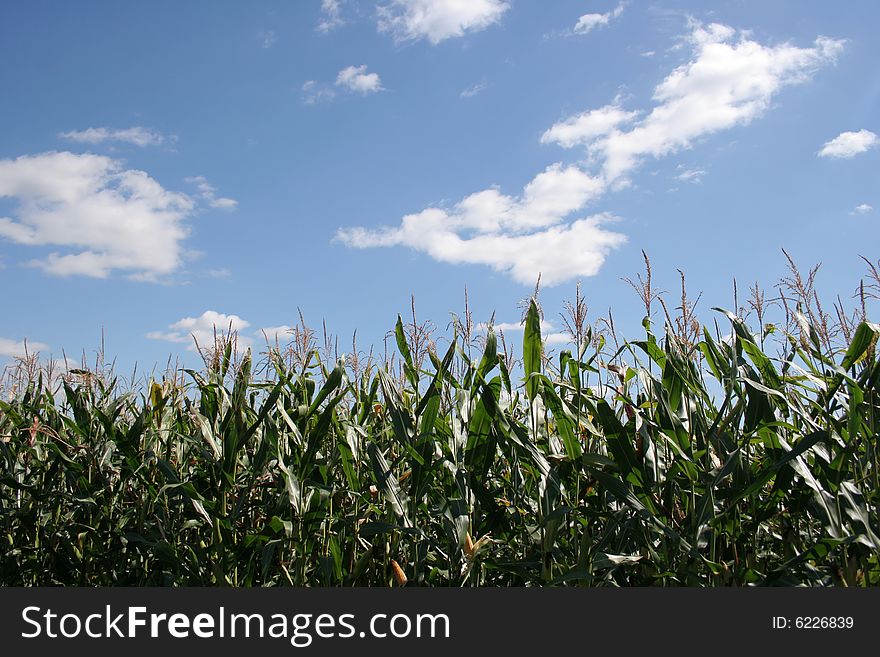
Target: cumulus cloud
x,y
849,144
331,16
208,194
280,334
356,78
587,126
589,22
438,20
106,217
519,236
203,328
730,80
138,136
353,79
12,348
863,208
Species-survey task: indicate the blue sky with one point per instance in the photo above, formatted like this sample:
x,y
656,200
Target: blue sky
x,y
165,166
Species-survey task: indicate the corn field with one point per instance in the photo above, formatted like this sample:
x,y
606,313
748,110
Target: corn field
x,y
699,456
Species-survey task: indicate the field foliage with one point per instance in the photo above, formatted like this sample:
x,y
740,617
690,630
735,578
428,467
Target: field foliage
x,y
740,453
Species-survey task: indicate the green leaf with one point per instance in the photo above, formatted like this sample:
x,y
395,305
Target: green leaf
x,y
389,485
564,422
865,336
532,349
490,355
758,357
403,346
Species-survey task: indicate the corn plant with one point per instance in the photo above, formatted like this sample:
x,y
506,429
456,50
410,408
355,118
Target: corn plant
x,y
688,458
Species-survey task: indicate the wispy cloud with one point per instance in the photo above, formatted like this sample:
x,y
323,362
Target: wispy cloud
x,y
694,176
862,208
473,90
589,22
137,136
331,16
356,78
849,144
108,217
729,81
208,194
315,92
12,348
268,38
438,20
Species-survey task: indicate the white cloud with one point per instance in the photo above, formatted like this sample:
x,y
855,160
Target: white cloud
x,y
585,127
356,78
208,193
313,92
506,327
280,334
108,217
557,338
730,80
691,175
203,328
138,136
864,208
549,334
589,22
12,348
473,90
849,144
224,203
520,236
514,327
438,20
331,18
